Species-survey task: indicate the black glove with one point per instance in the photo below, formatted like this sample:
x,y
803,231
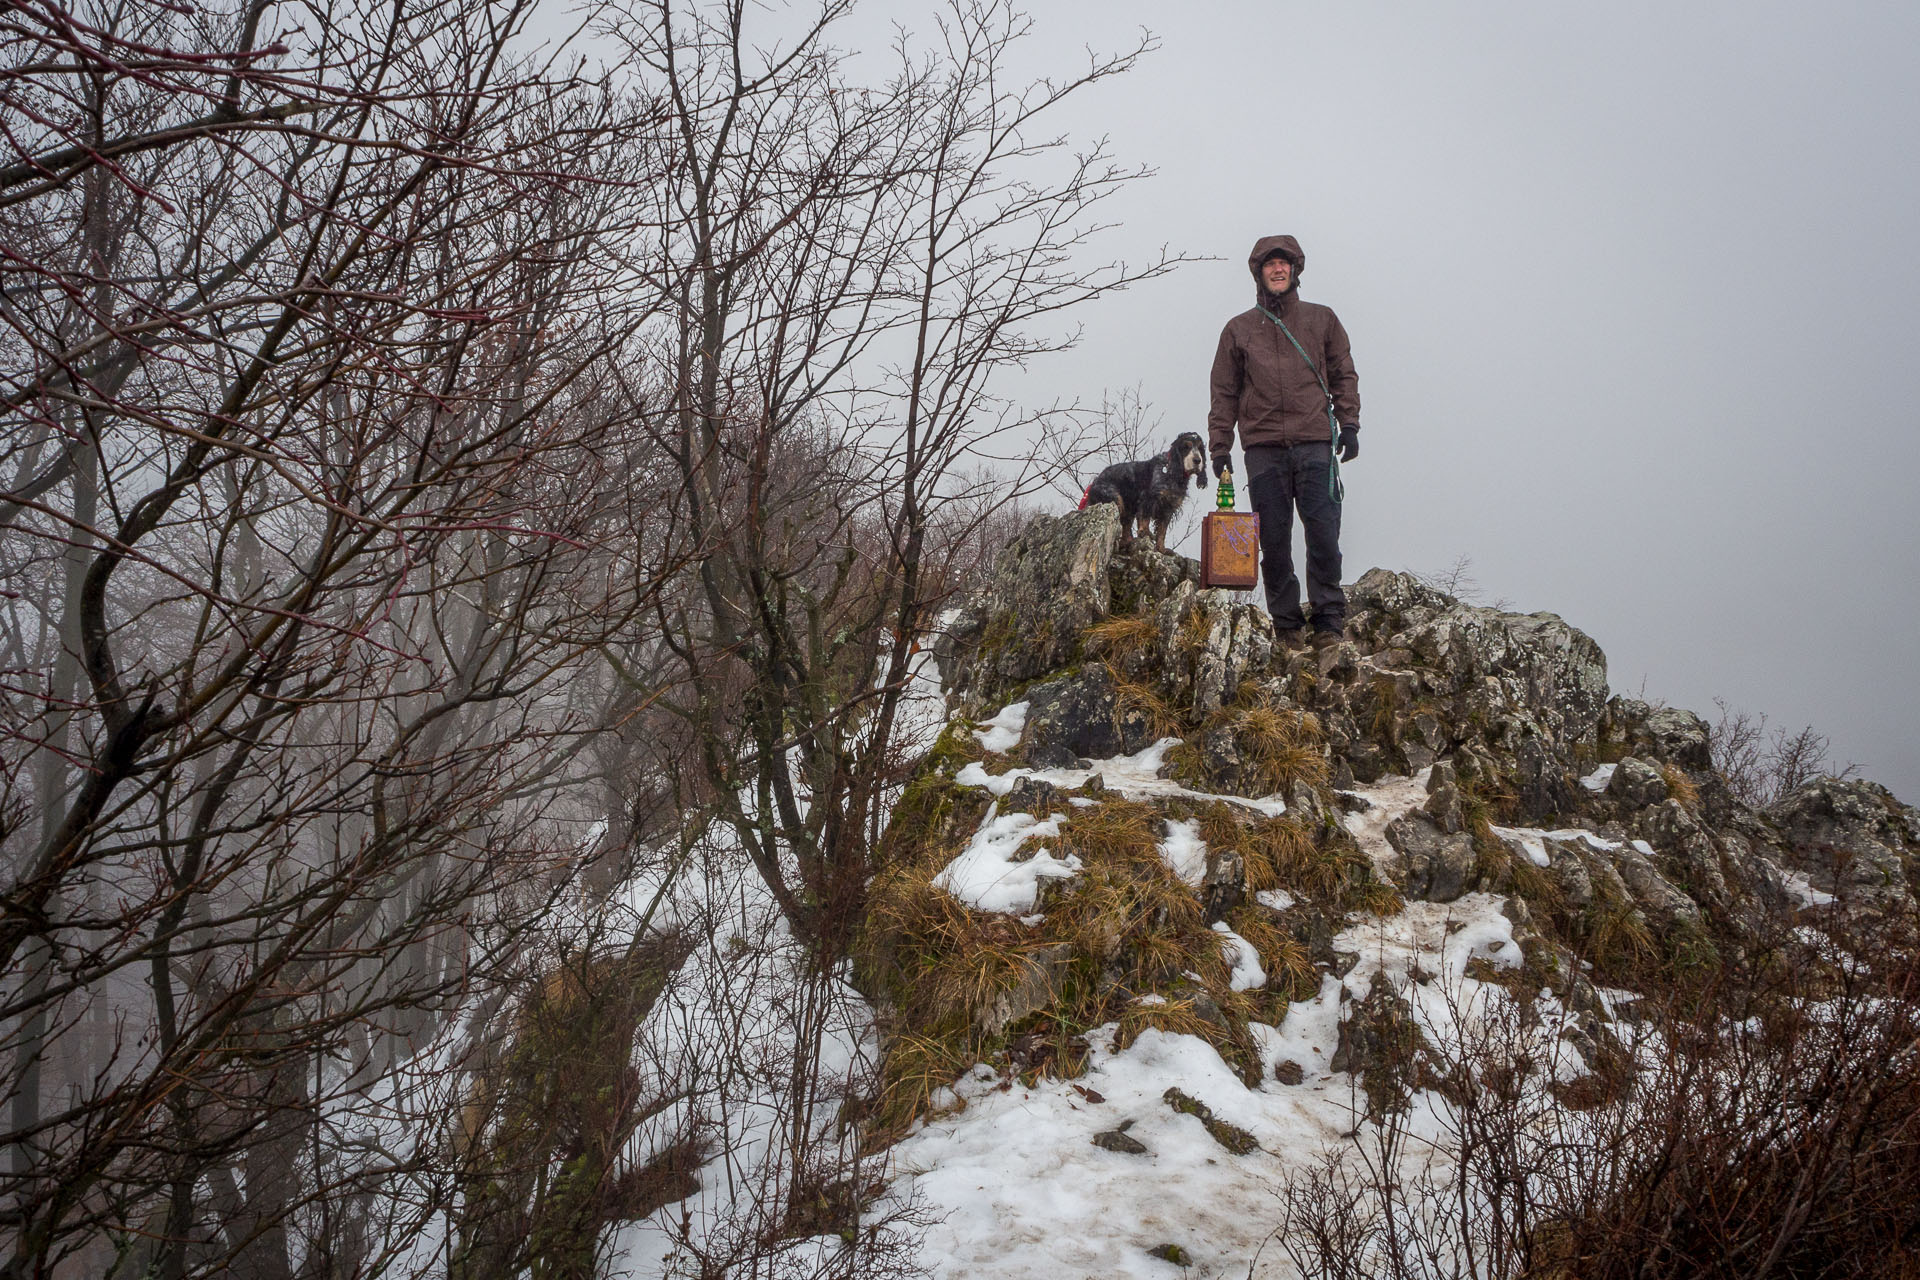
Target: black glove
x,y
1221,461
1349,443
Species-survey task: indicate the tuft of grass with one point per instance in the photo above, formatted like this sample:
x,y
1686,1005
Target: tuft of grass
x,y
1285,958
1615,937
1284,745
1174,1016
1290,855
1115,830
1119,639
1681,787
915,1067
1374,896
1131,695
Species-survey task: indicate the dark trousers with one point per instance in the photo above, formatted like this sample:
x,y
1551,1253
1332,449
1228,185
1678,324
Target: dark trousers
x,y
1280,478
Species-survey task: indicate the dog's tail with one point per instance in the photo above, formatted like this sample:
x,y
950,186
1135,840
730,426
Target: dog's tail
x,y
1083,497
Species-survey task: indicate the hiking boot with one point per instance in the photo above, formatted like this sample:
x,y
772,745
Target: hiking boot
x,y
1291,638
1325,639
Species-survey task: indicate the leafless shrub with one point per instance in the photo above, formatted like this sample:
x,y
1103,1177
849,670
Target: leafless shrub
x,y
1765,1128
1458,580
1124,428
1762,764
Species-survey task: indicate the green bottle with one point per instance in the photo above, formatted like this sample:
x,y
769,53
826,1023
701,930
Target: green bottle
x,y
1223,496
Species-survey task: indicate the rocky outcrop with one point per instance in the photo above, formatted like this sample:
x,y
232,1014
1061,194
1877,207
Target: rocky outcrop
x,y
1853,840
1049,583
1518,697
1621,858
1081,716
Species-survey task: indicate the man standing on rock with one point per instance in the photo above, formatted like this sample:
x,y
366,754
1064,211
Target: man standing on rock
x,y
1284,374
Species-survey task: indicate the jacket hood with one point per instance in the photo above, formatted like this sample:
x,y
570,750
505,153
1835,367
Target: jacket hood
x,y
1265,247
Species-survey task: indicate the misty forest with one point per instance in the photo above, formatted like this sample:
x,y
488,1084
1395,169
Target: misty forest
x,y
555,721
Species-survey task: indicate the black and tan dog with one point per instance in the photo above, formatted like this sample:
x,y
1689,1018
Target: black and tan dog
x,y
1150,492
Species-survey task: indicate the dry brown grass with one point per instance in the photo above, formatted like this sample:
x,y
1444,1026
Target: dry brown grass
x,y
1286,746
1114,830
1681,787
947,961
1289,856
1285,958
915,1067
1131,696
1174,1016
1616,939
1118,639
1375,897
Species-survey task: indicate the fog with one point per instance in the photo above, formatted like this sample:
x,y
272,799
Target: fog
x,y
1631,292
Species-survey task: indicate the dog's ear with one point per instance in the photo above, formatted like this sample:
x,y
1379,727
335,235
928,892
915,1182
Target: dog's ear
x,y
1199,479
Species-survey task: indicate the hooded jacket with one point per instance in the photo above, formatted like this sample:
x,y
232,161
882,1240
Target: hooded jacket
x,y
1260,382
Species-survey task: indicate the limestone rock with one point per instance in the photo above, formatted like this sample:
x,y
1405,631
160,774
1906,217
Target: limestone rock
x,y
1031,795
1636,784
1138,576
1080,716
1212,641
1380,1042
1427,677
1665,735
1665,906
1225,885
1439,864
1118,1140
1231,1136
1049,583
1046,974
1853,839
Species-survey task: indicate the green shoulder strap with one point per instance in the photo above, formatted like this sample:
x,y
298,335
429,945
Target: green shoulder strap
x,y
1335,488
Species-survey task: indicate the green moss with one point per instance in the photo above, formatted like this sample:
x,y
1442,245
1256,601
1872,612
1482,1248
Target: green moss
x,y
932,804
1230,1136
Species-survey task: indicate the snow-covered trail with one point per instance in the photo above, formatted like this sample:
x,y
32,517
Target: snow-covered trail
x,y
1022,1191
1024,1194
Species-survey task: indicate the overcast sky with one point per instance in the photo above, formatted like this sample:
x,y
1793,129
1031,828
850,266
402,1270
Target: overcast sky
x,y
1632,292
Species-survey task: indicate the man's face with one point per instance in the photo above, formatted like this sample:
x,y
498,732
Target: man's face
x,y
1276,273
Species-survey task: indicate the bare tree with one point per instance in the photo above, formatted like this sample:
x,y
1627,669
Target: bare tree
x,y
320,494
1762,765
435,488
859,265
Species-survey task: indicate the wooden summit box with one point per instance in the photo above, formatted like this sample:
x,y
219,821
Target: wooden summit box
x,y
1230,549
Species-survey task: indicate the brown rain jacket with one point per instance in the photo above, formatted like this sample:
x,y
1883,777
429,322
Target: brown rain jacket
x,y
1260,381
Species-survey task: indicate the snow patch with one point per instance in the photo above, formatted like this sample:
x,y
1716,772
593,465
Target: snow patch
x,y
1020,1190
1533,841
1134,777
1002,733
1184,852
1599,778
1387,800
1803,891
989,876
1247,973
